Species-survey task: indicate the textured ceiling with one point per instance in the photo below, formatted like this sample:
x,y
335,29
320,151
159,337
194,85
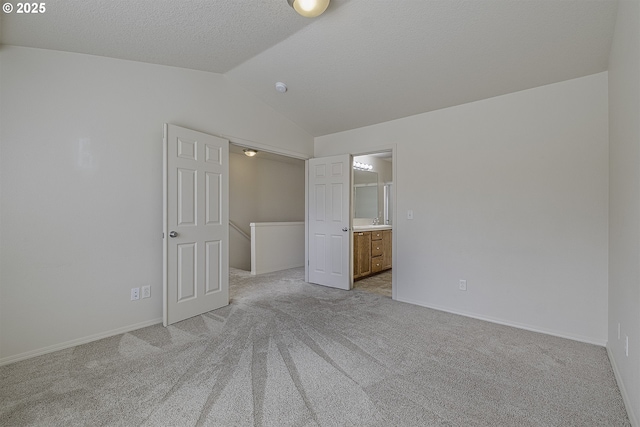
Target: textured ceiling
x,y
207,35
362,62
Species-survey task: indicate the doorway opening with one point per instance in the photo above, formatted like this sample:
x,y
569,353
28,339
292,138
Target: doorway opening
x,y
266,198
372,222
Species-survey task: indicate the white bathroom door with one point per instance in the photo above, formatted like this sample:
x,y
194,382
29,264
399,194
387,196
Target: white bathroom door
x,y
329,219
196,223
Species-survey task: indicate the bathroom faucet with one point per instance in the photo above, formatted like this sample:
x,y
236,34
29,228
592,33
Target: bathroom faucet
x,y
376,221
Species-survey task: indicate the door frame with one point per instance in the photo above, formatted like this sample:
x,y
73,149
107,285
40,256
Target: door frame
x,y
246,143
393,147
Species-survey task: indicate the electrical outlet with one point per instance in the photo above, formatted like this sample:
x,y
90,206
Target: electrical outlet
x,y
135,294
462,285
626,345
146,291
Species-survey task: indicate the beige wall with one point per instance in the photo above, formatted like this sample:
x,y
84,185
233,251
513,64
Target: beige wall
x,y
509,193
624,213
81,173
262,190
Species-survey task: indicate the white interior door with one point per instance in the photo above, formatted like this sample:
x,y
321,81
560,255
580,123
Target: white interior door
x,y
196,223
329,201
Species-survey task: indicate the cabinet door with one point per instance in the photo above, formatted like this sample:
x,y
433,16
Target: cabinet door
x,y
386,249
361,254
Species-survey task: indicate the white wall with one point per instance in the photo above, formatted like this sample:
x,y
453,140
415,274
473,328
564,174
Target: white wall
x,y
81,170
624,211
509,193
262,190
276,246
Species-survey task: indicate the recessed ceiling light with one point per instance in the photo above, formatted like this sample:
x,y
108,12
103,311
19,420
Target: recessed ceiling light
x,y
249,152
281,87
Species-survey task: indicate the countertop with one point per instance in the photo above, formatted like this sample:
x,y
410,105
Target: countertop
x,y
372,227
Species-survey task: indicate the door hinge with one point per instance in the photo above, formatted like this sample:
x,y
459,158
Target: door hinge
x,y
163,235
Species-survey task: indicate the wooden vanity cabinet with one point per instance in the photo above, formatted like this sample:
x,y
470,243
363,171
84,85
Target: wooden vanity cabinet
x,y
371,252
386,249
376,251
361,254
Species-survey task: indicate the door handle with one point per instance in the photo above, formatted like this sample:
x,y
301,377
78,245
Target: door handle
x,y
173,234
345,229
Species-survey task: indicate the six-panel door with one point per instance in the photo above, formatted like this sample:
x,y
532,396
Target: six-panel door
x,y
329,221
197,216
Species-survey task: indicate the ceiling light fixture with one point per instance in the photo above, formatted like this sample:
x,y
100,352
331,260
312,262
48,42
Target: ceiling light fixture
x,y
362,166
281,87
249,152
309,8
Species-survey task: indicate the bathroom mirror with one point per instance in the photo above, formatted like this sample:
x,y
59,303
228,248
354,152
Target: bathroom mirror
x,y
365,194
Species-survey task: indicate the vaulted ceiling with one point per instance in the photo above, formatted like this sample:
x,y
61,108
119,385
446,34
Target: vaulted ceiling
x,y
360,63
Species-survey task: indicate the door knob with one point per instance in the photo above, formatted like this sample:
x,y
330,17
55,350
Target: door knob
x,y
173,234
345,229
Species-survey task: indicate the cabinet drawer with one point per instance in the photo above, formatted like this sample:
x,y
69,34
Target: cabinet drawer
x,y
376,264
376,235
376,248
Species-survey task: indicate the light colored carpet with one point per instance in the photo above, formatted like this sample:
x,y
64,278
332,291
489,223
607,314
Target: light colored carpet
x,y
286,353
378,284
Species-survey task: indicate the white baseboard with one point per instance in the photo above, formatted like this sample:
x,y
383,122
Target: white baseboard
x,y
625,397
601,343
78,341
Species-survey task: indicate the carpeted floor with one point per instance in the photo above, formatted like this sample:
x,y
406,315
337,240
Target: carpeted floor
x,y
286,353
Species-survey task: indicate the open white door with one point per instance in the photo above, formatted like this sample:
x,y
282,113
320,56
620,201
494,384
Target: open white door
x,y
196,223
329,201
